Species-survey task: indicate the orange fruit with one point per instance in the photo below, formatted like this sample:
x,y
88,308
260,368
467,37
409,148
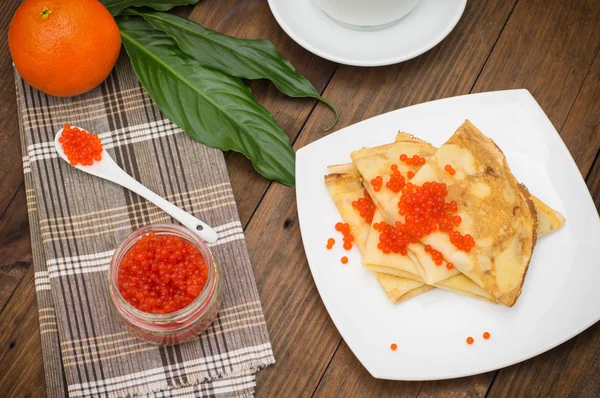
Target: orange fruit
x,y
64,47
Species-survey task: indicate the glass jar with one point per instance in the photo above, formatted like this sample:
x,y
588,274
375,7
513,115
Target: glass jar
x,y
175,327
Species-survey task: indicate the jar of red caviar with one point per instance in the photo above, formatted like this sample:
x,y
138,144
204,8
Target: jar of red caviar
x,y
172,327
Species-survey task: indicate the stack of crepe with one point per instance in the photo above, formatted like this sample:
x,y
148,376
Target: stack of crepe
x,y
504,219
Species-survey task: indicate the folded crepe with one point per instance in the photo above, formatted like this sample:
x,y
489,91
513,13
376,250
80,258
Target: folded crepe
x,y
344,185
394,272
377,161
397,275
495,209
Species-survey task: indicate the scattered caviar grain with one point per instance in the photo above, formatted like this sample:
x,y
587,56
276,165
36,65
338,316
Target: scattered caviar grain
x,y
348,237
450,266
450,170
486,335
330,243
344,260
470,340
365,206
394,346
410,175
437,256
80,147
376,183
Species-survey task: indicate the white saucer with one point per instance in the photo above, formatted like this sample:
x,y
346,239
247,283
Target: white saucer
x,y
424,27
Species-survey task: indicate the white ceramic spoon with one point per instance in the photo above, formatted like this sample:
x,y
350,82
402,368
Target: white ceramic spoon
x,y
109,170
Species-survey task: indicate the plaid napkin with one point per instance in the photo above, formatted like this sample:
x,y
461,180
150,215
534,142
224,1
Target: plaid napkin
x,y
78,220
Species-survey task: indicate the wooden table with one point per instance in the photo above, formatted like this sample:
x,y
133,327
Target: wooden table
x,y
550,47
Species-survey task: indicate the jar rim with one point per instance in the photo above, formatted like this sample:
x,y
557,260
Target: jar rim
x,y
124,308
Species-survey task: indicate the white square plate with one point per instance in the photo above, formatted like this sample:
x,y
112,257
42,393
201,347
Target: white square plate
x,y
560,296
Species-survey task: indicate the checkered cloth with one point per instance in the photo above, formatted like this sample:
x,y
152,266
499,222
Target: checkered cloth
x,y
77,221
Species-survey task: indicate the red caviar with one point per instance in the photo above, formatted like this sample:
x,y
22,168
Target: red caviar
x,y
450,266
396,181
425,210
415,160
161,274
410,174
344,260
470,340
330,243
376,183
80,146
486,335
393,238
449,170
365,207
437,256
394,346
348,237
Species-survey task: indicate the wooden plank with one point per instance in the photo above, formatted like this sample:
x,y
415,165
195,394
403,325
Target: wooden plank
x,y
581,131
570,370
304,339
547,47
15,246
593,182
21,367
11,175
252,19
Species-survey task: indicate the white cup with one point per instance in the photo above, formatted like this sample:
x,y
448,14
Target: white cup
x,y
366,14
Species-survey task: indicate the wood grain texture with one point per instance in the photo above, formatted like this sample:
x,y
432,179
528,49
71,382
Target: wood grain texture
x,y
593,182
581,131
11,168
570,370
15,246
546,47
21,366
252,19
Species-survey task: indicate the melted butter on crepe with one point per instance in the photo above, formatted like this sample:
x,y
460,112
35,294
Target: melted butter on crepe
x,y
504,223
344,186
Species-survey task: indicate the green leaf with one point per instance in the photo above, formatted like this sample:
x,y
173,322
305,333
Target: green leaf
x,y
213,108
117,6
247,59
